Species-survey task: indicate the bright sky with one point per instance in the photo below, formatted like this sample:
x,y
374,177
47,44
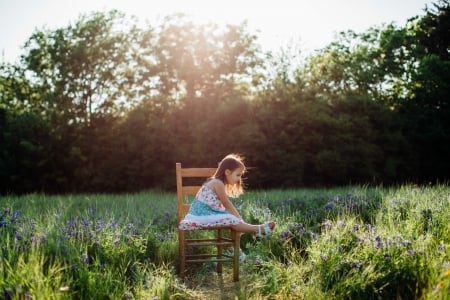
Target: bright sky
x,y
308,23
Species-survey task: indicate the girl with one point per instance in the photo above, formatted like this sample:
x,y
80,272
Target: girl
x,y
211,206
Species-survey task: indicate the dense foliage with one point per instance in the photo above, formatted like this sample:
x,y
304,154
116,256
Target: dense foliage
x,y
104,105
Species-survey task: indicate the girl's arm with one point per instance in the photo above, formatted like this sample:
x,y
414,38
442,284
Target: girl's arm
x,y
219,188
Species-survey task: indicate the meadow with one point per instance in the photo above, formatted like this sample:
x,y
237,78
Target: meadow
x,y
354,242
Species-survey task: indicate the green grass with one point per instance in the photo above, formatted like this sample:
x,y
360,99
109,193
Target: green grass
x,y
341,243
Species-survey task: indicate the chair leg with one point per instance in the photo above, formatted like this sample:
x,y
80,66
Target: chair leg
x,y
182,253
219,251
236,236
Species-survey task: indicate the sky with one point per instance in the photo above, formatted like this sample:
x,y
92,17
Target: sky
x,y
311,24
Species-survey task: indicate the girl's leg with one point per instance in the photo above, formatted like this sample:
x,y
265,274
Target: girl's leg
x,y
250,228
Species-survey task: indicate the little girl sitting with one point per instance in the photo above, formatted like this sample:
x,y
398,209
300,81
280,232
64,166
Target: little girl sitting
x,y
211,206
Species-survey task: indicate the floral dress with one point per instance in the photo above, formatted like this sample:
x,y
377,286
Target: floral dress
x,y
207,211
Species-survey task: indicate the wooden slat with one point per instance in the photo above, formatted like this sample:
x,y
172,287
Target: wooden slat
x,y
210,260
201,255
198,172
212,240
211,243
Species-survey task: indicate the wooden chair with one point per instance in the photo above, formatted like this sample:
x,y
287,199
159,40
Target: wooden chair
x,y
219,242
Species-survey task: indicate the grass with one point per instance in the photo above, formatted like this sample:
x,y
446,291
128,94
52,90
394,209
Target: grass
x,y
341,243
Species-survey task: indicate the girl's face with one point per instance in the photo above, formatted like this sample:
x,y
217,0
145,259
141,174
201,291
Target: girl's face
x,y
234,177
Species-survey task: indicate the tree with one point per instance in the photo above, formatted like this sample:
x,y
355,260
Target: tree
x,y
196,60
84,69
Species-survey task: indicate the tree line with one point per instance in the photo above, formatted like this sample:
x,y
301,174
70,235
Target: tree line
x,y
107,105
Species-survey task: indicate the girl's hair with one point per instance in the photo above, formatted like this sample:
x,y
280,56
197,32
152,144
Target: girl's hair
x,y
231,162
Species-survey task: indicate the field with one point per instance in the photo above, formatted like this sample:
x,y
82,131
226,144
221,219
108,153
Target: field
x,y
341,243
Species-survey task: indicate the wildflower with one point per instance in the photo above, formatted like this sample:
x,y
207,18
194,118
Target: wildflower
x,y
341,223
242,256
406,243
297,227
394,201
387,256
127,295
85,258
356,227
8,293
391,242
258,261
442,247
159,236
155,298
326,225
285,235
33,224
427,213
267,214
379,244
356,265
328,206
438,287
34,239
313,235
446,265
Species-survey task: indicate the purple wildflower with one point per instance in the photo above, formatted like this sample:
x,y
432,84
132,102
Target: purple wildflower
x,y
328,206
379,244
285,235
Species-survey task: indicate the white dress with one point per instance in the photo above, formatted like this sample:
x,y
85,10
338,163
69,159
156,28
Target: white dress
x,y
207,211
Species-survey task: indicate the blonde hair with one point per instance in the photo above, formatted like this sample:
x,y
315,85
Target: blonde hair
x,y
231,162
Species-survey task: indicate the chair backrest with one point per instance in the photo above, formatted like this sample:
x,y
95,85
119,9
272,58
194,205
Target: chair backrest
x,y
189,189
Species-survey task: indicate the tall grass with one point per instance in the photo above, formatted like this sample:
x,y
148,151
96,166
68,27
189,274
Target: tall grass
x,y
341,243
